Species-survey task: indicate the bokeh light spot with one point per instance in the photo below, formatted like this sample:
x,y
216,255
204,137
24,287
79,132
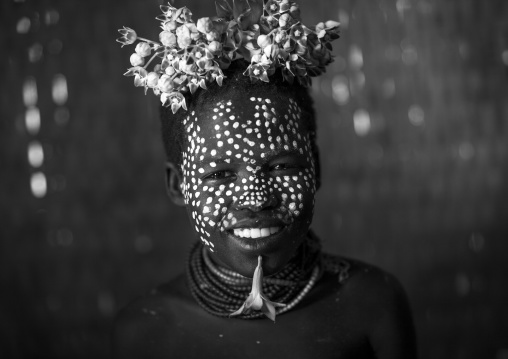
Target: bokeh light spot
x,y
416,115
33,120
38,185
35,154
59,90
361,120
340,90
23,25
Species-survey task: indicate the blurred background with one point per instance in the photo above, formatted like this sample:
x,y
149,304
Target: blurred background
x,y
413,129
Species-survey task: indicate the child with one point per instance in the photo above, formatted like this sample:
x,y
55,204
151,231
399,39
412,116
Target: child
x,y
242,159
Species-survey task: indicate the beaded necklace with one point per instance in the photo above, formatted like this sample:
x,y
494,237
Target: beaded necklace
x,y
221,291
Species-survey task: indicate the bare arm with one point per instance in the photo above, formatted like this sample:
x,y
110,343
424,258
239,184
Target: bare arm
x,y
393,335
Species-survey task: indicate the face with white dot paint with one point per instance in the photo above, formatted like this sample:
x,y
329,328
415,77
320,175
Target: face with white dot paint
x,y
249,179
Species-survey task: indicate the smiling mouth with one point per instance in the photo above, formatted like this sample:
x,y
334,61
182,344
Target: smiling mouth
x,y
255,232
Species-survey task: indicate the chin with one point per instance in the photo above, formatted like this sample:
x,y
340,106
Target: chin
x,y
244,262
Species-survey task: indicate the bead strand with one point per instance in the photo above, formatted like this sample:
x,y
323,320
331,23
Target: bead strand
x,y
220,291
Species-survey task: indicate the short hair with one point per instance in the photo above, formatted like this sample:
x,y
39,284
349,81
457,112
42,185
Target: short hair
x,y
235,81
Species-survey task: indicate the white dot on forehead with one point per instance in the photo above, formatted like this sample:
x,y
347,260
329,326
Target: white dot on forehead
x,y
253,99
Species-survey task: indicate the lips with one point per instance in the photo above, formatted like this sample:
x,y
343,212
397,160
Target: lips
x,y
255,232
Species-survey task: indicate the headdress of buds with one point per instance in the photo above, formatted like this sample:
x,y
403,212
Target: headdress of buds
x,y
268,34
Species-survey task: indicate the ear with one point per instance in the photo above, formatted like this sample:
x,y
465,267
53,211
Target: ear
x,y
173,184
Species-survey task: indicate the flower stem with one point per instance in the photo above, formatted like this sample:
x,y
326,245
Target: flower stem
x,y
150,41
148,63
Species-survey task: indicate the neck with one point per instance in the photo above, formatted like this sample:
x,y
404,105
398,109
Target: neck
x,y
220,291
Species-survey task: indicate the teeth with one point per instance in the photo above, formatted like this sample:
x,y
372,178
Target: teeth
x,y
255,232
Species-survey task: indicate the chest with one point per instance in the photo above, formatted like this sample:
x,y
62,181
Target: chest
x,y
307,333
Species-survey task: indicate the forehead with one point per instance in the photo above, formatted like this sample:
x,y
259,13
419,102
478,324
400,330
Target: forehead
x,y
246,125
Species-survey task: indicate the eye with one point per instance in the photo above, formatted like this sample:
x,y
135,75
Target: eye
x,y
283,167
218,175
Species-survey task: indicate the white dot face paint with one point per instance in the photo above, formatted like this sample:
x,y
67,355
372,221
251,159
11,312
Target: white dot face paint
x,y
256,180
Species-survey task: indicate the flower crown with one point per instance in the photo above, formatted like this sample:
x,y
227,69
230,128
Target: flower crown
x,y
268,34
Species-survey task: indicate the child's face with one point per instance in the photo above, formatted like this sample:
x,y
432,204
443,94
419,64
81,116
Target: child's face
x,y
249,180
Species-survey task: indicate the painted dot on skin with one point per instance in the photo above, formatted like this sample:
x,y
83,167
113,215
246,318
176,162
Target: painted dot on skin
x,y
213,164
235,125
220,143
213,152
253,99
201,170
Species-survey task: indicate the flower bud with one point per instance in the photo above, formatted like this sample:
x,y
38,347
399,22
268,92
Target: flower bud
x,y
137,60
295,11
213,36
152,79
170,25
183,33
170,71
330,24
284,5
165,84
263,41
143,49
285,20
167,38
205,25
215,47
280,36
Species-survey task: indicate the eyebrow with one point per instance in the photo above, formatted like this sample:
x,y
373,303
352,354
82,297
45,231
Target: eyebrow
x,y
270,155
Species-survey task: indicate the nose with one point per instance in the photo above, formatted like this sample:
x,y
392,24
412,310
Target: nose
x,y
256,198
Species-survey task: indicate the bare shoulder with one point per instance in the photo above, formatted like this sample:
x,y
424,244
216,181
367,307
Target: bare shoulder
x,y
376,305
148,319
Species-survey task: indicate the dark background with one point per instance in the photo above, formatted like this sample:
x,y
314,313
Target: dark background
x,y
413,118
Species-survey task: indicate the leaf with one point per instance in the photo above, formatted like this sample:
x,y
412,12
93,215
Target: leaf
x,y
240,7
193,87
174,107
223,9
